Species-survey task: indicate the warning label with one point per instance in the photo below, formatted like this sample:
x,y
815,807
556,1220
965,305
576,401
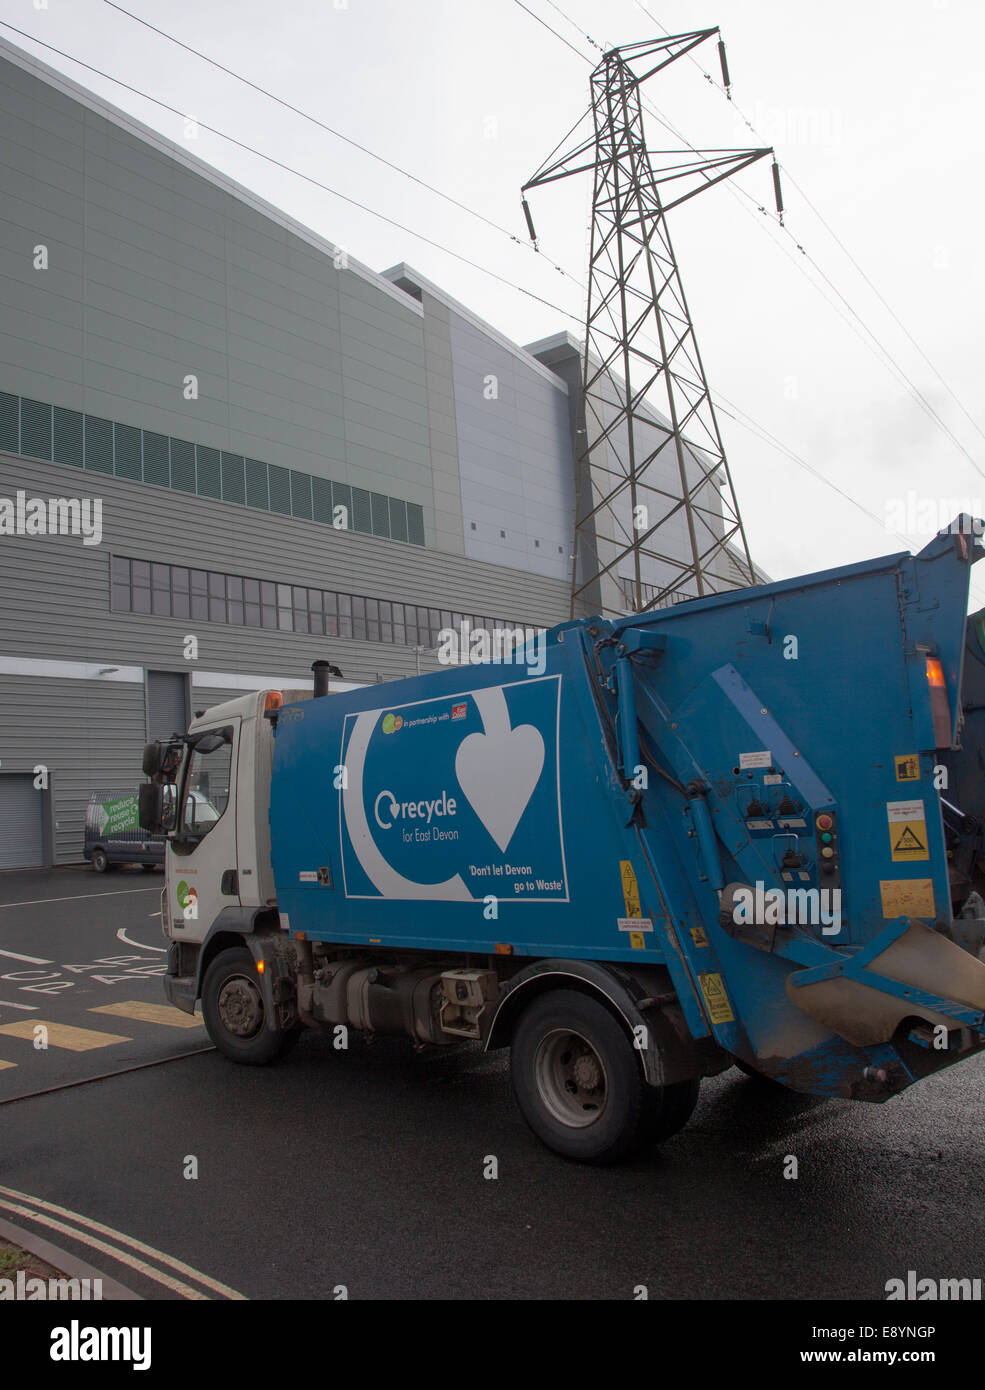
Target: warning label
x,y
910,897
716,1000
907,767
630,889
907,831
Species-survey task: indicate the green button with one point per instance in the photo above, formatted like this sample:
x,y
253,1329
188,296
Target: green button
x,y
826,838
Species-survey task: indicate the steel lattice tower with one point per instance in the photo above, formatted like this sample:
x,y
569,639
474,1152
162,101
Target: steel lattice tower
x,y
656,518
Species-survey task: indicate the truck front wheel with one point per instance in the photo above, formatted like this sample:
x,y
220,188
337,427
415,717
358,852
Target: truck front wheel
x,y
234,1013
577,1078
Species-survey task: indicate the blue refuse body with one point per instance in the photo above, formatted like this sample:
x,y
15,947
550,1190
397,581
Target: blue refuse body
x,y
737,799
746,830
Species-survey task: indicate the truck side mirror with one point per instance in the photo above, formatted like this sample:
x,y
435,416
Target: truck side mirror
x,y
152,759
150,803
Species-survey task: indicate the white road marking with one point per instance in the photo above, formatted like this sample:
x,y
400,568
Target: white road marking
x,y
223,1289
79,897
31,960
122,936
5,1004
153,914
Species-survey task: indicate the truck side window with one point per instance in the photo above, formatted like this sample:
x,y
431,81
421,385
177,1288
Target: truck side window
x,y
207,781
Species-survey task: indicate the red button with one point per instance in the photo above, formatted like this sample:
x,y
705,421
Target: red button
x,y
825,822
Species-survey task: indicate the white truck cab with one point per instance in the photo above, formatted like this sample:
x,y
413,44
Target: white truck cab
x,y
219,890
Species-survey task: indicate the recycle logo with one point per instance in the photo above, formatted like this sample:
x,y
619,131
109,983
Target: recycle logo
x,y
187,897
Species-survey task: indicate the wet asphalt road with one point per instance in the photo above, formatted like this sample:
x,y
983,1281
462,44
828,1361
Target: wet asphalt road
x,y
365,1169
83,952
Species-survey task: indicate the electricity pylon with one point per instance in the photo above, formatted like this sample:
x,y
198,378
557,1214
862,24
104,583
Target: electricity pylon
x,y
656,516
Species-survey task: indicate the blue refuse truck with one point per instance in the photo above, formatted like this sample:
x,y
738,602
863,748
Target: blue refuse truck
x,y
634,852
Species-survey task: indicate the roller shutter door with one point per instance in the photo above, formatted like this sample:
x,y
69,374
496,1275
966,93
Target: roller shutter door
x,y
21,841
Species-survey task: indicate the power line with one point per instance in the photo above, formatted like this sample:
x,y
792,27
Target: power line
x,y
307,116
363,148
308,178
548,27
828,228
887,359
748,423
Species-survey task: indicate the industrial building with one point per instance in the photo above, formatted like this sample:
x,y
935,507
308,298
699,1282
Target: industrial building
x,y
227,449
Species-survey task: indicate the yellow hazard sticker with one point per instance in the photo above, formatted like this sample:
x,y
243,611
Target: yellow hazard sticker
x,y
630,889
907,767
637,940
698,936
907,831
907,897
716,1000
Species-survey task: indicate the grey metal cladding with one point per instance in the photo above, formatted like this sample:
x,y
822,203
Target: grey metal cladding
x,y
517,486
182,277
236,540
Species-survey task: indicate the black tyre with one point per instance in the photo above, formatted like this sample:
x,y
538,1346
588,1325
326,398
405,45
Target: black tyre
x,y
149,868
667,1109
100,860
577,1078
234,1013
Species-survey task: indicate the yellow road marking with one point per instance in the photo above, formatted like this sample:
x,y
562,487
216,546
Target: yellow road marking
x,y
62,1035
134,1244
149,1013
3,1065
115,1254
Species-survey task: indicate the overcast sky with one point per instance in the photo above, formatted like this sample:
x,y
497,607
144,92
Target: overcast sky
x,y
874,110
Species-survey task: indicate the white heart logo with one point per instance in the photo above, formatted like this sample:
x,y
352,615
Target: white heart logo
x,y
498,770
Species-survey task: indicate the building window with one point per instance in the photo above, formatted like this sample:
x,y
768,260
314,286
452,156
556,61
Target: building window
x,y
120,584
53,433
172,591
180,594
199,584
160,576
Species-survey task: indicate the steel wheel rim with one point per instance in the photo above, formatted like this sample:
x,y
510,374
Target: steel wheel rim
x,y
570,1078
240,1007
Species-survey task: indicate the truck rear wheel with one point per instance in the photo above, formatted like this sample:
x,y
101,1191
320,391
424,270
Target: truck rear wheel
x,y
100,860
234,1013
577,1078
667,1109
